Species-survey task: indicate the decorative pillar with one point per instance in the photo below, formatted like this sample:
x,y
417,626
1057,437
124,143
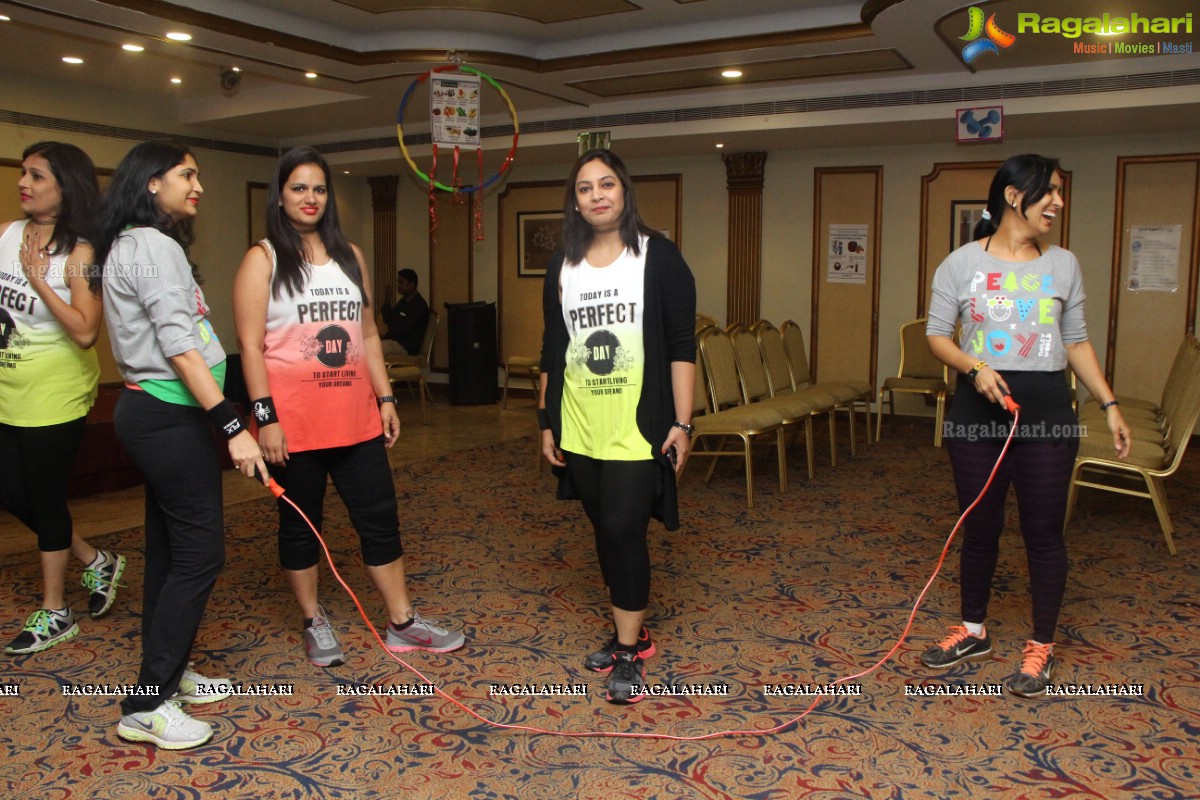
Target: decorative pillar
x,y
744,181
383,204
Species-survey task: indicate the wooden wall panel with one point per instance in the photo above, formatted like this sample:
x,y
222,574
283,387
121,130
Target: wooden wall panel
x,y
1145,328
451,265
844,333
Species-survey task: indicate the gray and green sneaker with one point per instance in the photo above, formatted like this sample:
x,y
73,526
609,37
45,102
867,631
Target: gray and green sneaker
x,y
100,579
44,629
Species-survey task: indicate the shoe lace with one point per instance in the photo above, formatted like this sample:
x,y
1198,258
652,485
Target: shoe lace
x,y
957,634
323,633
39,622
173,712
420,622
94,580
1033,660
625,670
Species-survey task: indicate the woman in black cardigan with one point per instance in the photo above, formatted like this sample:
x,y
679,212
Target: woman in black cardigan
x,y
618,372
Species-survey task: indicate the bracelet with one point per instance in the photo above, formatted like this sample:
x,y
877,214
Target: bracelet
x,y
683,426
226,418
975,370
387,398
1108,405
264,411
543,419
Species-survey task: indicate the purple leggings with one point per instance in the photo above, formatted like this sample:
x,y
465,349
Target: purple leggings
x,y
1040,471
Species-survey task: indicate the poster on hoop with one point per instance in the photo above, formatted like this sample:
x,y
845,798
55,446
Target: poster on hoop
x,y
454,117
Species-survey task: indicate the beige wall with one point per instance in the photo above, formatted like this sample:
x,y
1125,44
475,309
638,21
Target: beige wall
x,y
788,214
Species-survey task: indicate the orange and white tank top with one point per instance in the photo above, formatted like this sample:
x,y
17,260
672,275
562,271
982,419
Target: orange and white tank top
x,y
316,363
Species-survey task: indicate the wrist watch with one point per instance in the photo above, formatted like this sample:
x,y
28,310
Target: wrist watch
x,y
683,426
387,398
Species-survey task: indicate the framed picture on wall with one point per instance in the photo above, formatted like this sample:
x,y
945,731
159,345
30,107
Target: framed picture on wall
x,y
539,235
964,216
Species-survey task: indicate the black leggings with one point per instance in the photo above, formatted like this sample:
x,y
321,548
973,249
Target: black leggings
x,y
618,498
173,446
1040,471
34,487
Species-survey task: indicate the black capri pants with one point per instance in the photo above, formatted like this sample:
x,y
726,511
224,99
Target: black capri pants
x,y
618,498
36,463
363,478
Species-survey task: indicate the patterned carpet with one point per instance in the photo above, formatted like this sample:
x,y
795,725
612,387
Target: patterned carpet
x,y
807,587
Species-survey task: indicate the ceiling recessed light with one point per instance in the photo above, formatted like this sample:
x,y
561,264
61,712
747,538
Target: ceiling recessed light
x,y
731,73
719,145
345,172
236,69
310,74
176,36
72,60
133,48
176,80
4,18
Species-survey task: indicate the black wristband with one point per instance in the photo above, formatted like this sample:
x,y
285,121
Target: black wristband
x,y
543,419
226,418
387,398
264,411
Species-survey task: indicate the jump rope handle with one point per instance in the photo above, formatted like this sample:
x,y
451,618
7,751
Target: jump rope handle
x,y
275,488
1009,403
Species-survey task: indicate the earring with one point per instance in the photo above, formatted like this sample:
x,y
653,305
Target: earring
x,y
154,191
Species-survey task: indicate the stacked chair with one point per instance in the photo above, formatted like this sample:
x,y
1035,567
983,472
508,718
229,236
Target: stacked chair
x,y
796,409
1161,431
846,394
720,413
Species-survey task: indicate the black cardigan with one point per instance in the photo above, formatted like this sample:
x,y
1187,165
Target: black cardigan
x,y
668,325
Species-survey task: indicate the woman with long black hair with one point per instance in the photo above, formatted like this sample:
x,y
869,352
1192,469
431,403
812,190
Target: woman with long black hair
x,y
618,361
48,377
174,371
322,400
1021,310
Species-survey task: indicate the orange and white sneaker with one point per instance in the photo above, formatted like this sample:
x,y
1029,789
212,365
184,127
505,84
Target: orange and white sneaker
x,y
958,645
1036,663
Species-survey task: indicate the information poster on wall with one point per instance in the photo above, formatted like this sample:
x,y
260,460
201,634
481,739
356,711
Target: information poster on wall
x,y
454,110
847,254
1154,258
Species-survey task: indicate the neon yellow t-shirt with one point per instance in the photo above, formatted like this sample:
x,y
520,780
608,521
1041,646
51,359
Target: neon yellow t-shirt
x,y
602,383
45,378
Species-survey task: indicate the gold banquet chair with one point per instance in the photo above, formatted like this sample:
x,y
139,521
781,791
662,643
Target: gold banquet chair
x,y
846,394
407,369
1149,464
523,367
920,373
795,408
718,413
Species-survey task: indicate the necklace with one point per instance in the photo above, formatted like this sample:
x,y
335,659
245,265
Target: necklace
x,y
606,228
46,223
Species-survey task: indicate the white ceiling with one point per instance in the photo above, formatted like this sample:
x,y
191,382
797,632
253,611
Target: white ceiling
x,y
367,60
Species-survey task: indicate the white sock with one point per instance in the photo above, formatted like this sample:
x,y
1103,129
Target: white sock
x,y
99,559
974,628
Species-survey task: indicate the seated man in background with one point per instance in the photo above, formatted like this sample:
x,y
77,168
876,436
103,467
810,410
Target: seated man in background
x,y
406,319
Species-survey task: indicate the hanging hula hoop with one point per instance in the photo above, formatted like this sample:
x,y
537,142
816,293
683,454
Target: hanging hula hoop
x,y
400,129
